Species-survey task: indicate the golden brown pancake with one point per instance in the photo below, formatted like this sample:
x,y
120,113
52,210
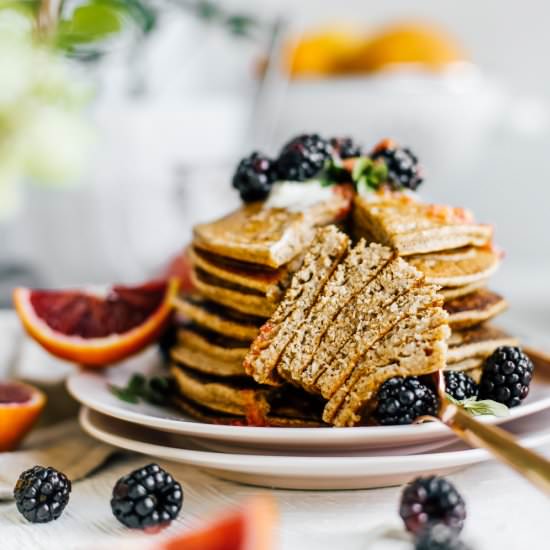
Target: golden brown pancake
x,y
475,308
450,292
217,318
477,342
456,268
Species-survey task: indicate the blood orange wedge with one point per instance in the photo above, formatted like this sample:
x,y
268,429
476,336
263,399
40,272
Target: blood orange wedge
x,y
96,328
20,407
252,527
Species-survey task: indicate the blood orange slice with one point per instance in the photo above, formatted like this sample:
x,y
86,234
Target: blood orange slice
x,y
251,527
96,328
20,407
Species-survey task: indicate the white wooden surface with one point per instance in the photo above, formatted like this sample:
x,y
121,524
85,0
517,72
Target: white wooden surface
x,y
504,511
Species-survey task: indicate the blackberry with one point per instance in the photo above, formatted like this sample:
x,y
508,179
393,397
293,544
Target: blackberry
x,y
402,400
254,177
507,374
41,494
429,501
147,497
439,537
303,157
345,147
459,385
402,165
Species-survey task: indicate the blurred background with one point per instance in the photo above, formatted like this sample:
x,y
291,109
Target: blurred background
x,y
121,121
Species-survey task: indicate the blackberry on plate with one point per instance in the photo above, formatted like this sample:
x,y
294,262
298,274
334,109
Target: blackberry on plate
x,y
507,374
459,385
439,537
402,164
345,147
254,177
428,501
147,497
402,400
303,157
41,494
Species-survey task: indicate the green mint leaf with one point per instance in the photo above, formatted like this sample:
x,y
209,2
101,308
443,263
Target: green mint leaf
x,y
359,168
124,394
480,408
136,384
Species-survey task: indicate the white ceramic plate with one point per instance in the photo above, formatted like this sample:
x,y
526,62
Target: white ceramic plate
x,y
92,389
304,472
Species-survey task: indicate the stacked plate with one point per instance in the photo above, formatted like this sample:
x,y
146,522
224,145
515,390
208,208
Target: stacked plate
x,y
297,458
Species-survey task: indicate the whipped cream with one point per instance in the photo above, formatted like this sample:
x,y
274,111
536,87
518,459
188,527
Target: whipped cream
x,y
297,196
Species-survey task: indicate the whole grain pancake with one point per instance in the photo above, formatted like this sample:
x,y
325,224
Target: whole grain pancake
x,y
451,292
211,342
231,295
475,308
320,261
217,318
465,364
477,342
271,283
268,236
260,405
458,267
412,227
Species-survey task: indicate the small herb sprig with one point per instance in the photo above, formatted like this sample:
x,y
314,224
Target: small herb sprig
x,y
155,390
480,408
367,174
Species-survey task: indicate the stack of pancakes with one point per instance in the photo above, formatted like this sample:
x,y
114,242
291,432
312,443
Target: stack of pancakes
x,y
241,266
452,251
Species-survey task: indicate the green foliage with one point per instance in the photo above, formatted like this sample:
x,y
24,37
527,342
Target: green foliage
x,y
481,408
155,390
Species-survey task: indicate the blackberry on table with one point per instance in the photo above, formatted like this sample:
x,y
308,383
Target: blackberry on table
x,y
459,385
303,157
41,494
147,497
429,501
506,377
254,177
345,147
439,537
402,164
402,400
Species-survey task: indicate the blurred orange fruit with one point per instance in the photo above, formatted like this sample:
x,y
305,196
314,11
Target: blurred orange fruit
x,y
20,407
252,527
403,43
321,53
96,328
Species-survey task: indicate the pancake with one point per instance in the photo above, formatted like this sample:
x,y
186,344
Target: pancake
x,y
271,283
456,268
231,295
466,364
475,308
243,398
270,237
217,318
451,292
411,227
477,342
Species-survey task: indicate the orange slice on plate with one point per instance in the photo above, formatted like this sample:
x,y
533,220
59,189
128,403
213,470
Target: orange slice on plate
x,y
96,327
20,407
252,527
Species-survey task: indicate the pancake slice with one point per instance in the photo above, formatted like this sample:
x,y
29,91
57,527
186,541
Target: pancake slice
x,y
320,261
399,221
477,342
414,347
351,277
459,267
217,318
475,308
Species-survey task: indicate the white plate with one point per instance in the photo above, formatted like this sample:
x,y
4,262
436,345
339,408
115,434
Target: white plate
x,y
301,472
92,389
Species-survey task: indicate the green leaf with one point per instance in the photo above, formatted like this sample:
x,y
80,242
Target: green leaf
x,y
124,394
481,408
360,167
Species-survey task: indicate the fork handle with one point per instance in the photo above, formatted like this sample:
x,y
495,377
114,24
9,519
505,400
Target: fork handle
x,y
532,466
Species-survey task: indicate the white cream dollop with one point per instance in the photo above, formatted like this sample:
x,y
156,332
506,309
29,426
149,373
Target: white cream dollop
x,y
297,195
